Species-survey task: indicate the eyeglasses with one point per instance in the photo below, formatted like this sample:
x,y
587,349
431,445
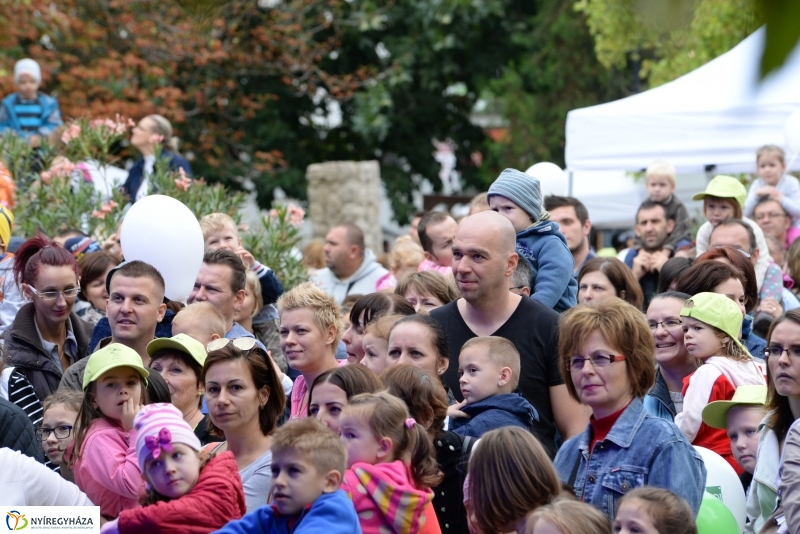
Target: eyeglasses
x,y
241,343
775,351
668,324
61,432
741,251
598,360
53,295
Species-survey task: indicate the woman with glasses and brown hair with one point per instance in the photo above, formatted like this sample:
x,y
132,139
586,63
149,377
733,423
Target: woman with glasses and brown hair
x,y
245,399
674,363
46,336
606,352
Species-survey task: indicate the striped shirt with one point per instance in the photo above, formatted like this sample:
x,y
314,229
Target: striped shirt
x,y
16,389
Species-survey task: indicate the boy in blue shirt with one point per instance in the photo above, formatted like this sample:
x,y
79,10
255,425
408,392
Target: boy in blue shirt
x,y
518,197
308,462
28,112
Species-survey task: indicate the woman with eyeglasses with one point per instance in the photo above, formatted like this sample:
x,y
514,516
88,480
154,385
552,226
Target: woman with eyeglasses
x,y
665,398
311,328
778,434
46,336
607,351
245,399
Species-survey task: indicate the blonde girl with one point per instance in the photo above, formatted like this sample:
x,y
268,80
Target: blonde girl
x,y
566,515
648,510
391,466
105,462
711,325
405,257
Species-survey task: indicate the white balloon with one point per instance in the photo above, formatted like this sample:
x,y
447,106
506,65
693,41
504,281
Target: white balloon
x,y
723,482
552,179
163,232
792,131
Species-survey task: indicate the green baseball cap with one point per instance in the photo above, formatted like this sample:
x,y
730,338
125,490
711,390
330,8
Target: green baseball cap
x,y
181,343
110,357
717,310
724,187
715,414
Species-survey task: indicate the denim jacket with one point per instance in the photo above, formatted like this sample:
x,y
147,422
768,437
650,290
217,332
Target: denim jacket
x,y
639,450
658,402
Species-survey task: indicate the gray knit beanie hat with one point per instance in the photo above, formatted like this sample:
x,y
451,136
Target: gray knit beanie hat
x,y
521,189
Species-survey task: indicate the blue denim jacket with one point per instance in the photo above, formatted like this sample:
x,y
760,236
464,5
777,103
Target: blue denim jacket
x,y
639,450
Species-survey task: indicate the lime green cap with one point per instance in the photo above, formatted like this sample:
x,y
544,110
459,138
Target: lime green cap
x,y
181,343
718,311
110,357
724,187
715,414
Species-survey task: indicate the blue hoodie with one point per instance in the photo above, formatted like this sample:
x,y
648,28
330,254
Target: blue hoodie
x,y
508,409
331,513
545,248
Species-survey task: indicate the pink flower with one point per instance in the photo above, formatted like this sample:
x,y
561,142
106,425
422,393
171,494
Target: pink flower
x,y
61,167
296,215
98,214
156,139
108,207
70,133
183,183
273,213
46,176
244,227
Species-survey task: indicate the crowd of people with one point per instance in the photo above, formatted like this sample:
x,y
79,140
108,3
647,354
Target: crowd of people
x,y
496,375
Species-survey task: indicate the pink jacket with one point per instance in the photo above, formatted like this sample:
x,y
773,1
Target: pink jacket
x,y
385,498
108,470
428,265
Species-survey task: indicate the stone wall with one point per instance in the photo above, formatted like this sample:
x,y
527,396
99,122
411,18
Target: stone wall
x,y
346,192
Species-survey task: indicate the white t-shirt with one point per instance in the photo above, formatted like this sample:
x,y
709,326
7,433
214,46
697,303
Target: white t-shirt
x,y
26,482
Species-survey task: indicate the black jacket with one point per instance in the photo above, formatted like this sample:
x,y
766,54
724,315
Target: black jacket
x,y
23,349
135,175
16,431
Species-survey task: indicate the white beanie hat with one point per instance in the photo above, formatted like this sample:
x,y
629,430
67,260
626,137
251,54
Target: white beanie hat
x,y
158,426
29,67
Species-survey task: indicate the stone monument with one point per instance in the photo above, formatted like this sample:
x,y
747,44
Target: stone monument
x,y
346,192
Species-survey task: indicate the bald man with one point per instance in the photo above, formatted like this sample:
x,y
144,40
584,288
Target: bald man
x,y
483,263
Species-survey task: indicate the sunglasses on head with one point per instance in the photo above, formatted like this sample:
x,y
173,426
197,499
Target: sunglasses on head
x,y
241,343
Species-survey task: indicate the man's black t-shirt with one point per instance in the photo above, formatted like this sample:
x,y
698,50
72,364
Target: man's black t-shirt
x,y
533,329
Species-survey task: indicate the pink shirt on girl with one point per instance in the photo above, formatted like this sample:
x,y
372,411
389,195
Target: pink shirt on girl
x,y
108,469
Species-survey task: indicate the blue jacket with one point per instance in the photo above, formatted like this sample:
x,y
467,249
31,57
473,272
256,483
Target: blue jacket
x,y
755,345
48,120
639,450
102,329
134,180
658,401
510,409
331,513
545,248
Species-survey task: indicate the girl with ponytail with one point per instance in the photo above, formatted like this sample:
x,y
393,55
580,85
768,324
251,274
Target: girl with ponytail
x,y
390,460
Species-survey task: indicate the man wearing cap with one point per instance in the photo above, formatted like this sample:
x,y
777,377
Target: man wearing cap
x,y
28,112
11,299
653,229
135,306
221,281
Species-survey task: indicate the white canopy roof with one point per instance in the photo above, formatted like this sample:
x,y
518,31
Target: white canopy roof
x,y
717,115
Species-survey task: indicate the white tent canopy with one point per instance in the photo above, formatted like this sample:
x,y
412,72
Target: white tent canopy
x,y
717,115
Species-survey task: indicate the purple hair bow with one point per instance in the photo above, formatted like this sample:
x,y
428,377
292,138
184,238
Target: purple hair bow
x,y
158,443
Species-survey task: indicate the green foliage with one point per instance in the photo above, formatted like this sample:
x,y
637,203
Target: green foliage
x,y
669,38
275,244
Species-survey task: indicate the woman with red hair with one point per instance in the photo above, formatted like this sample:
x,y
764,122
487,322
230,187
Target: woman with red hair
x,y
46,337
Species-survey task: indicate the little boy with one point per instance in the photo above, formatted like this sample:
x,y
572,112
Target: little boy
x,y
28,112
11,299
518,197
660,184
489,373
740,417
308,461
437,230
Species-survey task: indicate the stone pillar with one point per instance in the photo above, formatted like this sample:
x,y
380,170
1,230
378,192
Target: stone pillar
x,y
346,192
